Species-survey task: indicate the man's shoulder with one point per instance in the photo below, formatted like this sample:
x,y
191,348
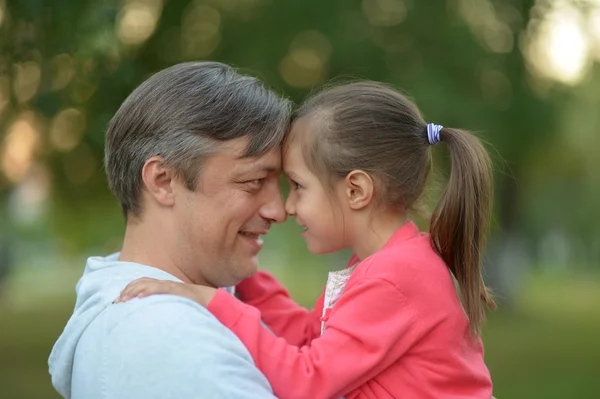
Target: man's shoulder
x,y
172,347
168,324
160,313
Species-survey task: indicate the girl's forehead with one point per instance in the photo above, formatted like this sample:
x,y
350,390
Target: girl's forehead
x,y
313,122
292,154
302,132
300,125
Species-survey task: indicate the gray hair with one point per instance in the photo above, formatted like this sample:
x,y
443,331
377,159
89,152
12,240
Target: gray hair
x,y
182,114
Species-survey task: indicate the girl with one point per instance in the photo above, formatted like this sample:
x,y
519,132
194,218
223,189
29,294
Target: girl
x,y
391,325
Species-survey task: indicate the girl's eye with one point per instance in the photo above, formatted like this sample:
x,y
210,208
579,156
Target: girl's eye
x,y
295,185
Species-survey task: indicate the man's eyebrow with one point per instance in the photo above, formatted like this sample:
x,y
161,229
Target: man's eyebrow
x,y
261,168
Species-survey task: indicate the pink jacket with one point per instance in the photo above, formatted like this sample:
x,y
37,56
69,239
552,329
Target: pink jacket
x,y
397,331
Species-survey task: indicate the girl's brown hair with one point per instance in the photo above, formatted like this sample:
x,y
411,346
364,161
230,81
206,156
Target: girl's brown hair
x,y
371,127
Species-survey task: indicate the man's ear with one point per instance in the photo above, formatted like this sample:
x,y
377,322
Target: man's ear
x,y
158,180
358,189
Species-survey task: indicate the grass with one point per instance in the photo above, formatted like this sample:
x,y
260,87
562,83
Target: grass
x,y
547,347
26,338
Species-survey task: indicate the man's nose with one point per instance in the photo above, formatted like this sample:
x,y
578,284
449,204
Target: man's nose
x,y
274,209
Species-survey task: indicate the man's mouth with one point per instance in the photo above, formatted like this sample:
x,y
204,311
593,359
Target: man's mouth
x,y
250,234
254,237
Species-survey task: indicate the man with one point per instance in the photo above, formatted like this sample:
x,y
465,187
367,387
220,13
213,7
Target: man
x,y
193,156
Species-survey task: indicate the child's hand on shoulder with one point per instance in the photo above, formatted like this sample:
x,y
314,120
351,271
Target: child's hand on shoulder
x,y
144,287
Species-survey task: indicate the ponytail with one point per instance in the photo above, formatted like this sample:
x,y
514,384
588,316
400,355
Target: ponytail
x,y
460,221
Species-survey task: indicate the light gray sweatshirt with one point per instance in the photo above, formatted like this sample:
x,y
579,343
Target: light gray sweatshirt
x,y
162,346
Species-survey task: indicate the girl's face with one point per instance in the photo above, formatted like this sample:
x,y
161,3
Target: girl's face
x,y
321,216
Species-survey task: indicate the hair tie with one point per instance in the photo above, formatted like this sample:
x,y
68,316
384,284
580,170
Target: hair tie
x,y
433,133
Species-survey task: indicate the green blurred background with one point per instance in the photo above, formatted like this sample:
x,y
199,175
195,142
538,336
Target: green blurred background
x,y
523,74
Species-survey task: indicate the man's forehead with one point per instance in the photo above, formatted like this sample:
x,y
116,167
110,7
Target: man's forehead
x,y
269,162
235,149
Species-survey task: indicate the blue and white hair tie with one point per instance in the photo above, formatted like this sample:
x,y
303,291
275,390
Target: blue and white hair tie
x,y
433,133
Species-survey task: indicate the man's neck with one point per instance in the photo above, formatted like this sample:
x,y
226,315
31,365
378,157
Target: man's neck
x,y
152,247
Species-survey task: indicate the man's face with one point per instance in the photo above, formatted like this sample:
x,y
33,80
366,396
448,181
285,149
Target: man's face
x,y
222,221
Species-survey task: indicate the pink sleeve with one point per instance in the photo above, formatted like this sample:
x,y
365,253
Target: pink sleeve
x,y
369,328
279,312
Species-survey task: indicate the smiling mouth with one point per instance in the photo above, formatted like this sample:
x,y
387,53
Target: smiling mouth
x,y
250,235
254,239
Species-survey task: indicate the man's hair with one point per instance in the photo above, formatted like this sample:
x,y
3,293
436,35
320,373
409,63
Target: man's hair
x,y
182,114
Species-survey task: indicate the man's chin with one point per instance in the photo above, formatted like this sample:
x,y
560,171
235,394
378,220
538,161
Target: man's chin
x,y
251,267
246,268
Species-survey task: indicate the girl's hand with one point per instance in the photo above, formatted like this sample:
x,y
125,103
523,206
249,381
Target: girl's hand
x,y
144,287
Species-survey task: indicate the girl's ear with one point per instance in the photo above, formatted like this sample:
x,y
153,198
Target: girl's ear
x,y
358,189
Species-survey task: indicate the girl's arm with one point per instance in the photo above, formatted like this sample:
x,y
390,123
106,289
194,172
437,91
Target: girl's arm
x,y
279,312
370,327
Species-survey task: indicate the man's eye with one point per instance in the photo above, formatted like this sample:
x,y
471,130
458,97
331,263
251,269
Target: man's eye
x,y
256,182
